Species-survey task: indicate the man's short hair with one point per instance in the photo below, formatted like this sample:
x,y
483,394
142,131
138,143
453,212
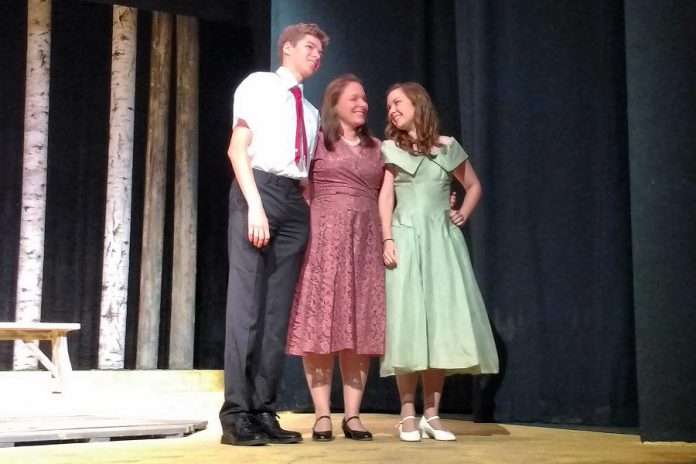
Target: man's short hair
x,y
295,32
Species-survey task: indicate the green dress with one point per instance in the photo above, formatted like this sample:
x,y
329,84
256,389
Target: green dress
x,y
436,317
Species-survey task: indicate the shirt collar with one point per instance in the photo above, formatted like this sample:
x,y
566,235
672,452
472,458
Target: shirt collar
x,y
288,79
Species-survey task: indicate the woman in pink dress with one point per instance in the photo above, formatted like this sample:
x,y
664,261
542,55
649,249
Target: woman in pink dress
x,y
339,305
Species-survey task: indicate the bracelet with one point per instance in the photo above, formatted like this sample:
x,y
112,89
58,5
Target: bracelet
x,y
386,240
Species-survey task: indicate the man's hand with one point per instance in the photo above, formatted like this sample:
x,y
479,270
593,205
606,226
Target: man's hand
x,y
258,233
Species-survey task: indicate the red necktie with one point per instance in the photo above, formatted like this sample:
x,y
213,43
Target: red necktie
x,y
300,136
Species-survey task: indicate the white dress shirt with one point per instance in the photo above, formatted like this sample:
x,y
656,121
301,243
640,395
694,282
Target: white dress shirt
x,y
264,101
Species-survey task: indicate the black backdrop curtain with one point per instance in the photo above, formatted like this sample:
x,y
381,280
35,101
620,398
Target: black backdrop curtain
x,y
661,65
537,93
544,86
12,57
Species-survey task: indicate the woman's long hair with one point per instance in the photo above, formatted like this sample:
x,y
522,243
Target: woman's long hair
x,y
425,120
330,123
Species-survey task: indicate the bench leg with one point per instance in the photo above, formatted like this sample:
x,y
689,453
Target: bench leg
x,y
44,360
61,358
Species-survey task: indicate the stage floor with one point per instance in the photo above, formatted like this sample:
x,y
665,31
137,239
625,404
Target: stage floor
x,y
196,395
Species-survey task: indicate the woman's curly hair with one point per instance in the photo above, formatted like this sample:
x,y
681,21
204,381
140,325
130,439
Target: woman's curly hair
x,y
425,120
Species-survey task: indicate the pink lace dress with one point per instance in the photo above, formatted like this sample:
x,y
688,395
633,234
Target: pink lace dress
x,y
339,301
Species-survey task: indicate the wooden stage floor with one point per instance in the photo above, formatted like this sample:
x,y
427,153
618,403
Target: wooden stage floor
x,y
196,395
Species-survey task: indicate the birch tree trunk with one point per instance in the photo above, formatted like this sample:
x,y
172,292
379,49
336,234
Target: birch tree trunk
x,y
117,224
155,192
33,216
185,201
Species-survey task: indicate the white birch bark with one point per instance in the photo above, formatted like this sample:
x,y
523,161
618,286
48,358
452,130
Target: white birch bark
x,y
117,224
33,215
185,200
155,193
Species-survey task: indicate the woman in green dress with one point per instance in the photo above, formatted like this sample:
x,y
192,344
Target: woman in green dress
x,y
436,319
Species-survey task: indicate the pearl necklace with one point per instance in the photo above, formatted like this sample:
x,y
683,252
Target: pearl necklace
x,y
352,143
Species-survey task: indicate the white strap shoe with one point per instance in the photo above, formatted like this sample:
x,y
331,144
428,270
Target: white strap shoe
x,y
414,435
427,430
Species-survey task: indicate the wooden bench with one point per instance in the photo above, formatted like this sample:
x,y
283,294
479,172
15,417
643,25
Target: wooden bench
x,y
29,332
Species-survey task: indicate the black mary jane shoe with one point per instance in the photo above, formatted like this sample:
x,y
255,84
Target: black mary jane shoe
x,y
326,435
355,434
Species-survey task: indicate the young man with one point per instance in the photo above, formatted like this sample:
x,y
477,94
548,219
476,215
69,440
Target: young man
x,y
272,143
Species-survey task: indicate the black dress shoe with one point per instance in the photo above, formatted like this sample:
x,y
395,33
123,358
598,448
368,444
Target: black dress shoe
x,y
270,425
245,431
325,435
355,434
